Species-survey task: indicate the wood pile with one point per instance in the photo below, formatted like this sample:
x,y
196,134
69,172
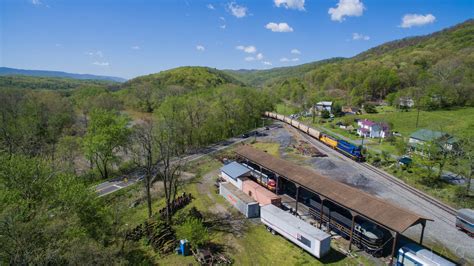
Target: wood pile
x,y
159,234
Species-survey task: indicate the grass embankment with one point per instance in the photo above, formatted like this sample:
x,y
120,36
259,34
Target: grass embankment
x,y
271,148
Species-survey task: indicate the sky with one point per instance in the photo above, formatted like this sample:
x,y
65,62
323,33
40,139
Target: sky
x,y
129,38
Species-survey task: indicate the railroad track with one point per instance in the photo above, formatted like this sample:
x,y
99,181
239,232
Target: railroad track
x,y
393,180
413,190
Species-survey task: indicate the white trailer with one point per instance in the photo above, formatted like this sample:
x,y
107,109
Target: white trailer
x,y
308,237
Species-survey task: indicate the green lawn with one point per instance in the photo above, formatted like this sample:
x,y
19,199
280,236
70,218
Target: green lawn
x,y
458,122
269,147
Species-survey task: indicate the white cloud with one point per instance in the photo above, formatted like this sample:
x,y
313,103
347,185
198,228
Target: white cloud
x,y
248,49
410,20
211,7
200,48
58,45
222,27
236,10
258,57
95,54
358,37
295,51
285,59
267,63
36,2
279,27
222,18
347,8
290,4
135,47
102,64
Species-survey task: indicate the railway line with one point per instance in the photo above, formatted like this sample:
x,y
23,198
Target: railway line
x,y
413,190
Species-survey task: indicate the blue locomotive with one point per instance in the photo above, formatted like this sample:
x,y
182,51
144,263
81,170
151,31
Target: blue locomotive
x,y
350,150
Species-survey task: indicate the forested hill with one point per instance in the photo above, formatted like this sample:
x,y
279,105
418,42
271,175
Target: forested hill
x,y
187,78
6,71
146,92
52,83
261,77
437,66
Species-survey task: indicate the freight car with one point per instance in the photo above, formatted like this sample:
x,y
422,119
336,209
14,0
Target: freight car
x,y
366,235
261,178
342,146
465,221
306,236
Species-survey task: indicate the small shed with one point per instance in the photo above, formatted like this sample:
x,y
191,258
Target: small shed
x,y
233,172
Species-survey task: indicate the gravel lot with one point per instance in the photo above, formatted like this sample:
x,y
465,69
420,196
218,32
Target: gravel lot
x,y
441,232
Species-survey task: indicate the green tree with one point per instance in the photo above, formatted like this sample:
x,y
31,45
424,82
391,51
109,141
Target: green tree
x,y
107,133
194,231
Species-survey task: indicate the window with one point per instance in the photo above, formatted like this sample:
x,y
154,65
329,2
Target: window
x,y
304,240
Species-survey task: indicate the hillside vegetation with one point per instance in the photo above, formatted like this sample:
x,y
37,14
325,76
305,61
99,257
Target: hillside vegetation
x,y
51,83
436,70
146,92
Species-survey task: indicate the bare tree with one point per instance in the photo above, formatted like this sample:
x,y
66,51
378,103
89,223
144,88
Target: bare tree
x,y
169,161
145,155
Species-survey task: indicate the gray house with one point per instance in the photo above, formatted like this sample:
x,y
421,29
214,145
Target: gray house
x,y
423,136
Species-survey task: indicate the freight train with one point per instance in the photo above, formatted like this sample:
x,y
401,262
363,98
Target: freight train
x,y
348,149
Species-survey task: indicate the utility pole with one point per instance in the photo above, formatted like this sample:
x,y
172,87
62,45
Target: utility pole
x,y
417,117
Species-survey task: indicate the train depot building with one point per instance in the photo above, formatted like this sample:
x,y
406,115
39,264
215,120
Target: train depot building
x,y
368,222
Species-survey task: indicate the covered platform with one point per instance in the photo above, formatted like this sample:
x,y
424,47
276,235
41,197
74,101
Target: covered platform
x,y
357,202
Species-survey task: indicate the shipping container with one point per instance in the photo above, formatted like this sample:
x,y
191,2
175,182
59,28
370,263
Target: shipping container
x,y
245,204
262,195
306,236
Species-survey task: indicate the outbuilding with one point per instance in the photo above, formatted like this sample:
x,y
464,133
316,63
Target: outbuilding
x,y
233,173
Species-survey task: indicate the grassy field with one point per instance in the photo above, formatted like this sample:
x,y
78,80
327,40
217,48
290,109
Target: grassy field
x,y
269,147
458,122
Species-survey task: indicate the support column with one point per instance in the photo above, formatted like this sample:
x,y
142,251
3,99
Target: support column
x,y
328,229
393,247
321,213
297,196
277,183
352,230
423,224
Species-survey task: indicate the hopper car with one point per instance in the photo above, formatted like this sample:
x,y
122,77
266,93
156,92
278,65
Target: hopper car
x,y
348,149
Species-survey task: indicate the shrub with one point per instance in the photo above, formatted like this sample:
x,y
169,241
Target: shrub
x,y
194,231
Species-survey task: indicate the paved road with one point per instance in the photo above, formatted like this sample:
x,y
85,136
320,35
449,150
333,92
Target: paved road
x,y
116,184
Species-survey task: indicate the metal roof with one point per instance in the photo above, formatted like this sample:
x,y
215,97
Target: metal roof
x,y
364,204
235,169
429,135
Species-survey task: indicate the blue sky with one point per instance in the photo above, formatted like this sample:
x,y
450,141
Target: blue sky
x,y
128,38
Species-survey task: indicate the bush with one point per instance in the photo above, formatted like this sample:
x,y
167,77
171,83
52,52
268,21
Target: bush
x,y
370,109
194,231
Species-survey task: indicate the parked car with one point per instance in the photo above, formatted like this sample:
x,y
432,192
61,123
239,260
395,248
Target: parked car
x,y
245,135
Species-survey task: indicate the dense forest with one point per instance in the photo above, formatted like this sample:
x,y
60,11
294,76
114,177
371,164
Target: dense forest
x,y
51,83
436,70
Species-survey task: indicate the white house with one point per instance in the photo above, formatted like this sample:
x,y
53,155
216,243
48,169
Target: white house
x,y
324,105
371,129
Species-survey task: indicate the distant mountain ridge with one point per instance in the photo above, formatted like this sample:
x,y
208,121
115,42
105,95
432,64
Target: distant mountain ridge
x,y
6,71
